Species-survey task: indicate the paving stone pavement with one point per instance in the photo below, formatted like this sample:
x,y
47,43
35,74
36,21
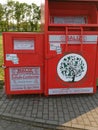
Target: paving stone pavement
x,y
68,112
9,125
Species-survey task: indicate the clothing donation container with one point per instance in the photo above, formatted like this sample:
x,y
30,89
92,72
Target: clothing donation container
x,y
71,31
23,62
62,58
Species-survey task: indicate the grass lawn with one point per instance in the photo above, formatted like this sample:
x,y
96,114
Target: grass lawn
x,y
1,62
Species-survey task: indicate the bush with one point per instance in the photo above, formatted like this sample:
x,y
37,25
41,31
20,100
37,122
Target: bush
x,y
1,62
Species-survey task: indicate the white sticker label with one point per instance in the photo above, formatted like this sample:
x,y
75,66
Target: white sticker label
x,y
53,46
23,44
13,58
24,78
57,38
59,50
70,91
73,39
56,47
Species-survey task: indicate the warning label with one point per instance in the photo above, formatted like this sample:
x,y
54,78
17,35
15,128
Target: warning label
x,y
25,78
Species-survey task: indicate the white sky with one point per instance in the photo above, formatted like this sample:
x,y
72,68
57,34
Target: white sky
x,y
26,1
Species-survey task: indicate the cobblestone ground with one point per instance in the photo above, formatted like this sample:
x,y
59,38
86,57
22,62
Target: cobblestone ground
x,y
8,125
70,110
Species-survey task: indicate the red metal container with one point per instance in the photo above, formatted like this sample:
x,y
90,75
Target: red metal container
x,y
23,61
71,30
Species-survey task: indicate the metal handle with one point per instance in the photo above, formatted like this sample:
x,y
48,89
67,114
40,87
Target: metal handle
x,y
81,34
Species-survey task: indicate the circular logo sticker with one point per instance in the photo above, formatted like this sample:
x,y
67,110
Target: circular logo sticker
x,y
72,68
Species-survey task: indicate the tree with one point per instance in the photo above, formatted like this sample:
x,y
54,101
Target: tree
x,y
35,17
28,16
19,16
1,16
11,9
8,13
72,68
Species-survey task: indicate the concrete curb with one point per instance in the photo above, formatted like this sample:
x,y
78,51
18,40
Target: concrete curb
x,y
51,125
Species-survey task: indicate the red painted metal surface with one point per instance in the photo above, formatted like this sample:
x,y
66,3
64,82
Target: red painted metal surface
x,y
23,61
61,60
71,29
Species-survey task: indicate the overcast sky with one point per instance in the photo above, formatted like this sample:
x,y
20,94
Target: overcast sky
x,y
27,1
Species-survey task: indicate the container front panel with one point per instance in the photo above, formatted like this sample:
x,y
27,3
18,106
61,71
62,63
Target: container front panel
x,y
23,61
71,68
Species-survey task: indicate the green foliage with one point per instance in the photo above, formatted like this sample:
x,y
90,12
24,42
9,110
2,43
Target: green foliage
x,y
16,16
1,62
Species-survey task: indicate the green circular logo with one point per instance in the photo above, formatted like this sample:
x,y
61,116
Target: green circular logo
x,y
72,68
